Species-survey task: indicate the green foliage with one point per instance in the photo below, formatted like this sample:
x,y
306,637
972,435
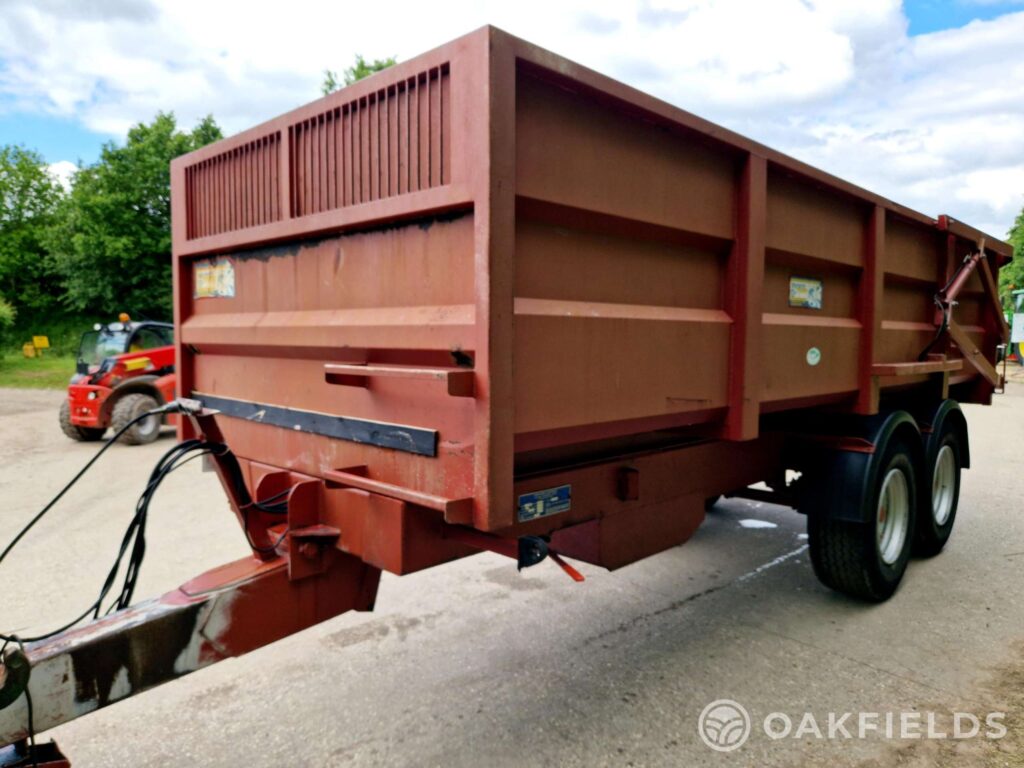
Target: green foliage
x,y
331,82
29,197
206,132
8,314
360,69
1011,277
63,329
112,241
363,68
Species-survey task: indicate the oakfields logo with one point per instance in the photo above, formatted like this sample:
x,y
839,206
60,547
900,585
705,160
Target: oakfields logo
x,y
725,725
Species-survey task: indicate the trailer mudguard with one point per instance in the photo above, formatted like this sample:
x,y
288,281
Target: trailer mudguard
x,y
842,479
932,430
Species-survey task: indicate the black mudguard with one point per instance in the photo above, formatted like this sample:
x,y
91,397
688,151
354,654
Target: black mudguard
x,y
840,481
949,413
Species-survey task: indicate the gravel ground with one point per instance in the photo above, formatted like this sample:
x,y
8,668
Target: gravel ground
x,y
473,664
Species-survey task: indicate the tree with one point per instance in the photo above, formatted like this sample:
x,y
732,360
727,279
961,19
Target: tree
x,y
29,197
113,241
1011,277
360,69
8,314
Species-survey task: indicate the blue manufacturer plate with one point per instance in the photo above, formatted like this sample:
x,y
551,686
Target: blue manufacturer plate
x,y
543,503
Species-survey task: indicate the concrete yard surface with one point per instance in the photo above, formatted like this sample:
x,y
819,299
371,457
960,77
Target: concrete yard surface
x,y
474,664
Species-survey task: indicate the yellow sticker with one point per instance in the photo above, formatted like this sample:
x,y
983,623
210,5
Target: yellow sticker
x,y
805,292
214,278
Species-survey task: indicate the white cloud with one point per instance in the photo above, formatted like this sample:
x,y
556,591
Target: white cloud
x,y
62,171
932,121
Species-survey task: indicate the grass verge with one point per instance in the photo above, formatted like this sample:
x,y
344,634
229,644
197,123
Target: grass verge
x,y
46,372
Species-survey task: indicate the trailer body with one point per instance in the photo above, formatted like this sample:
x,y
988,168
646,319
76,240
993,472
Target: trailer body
x,y
486,265
488,299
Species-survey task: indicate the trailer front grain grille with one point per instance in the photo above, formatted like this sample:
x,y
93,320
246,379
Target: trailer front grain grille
x,y
235,190
390,142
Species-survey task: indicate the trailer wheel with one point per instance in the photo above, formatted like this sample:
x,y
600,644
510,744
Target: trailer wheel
x,y
130,407
75,432
867,559
942,495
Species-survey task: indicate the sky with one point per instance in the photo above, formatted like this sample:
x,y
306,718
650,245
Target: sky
x,y
919,100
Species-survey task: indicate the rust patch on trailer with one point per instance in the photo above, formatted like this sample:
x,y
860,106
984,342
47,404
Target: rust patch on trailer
x,y
293,247
276,251
142,658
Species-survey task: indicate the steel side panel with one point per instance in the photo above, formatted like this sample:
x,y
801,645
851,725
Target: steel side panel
x,y
574,151
577,370
606,263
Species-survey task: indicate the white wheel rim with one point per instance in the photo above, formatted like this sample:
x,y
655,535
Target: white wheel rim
x,y
893,516
943,485
148,426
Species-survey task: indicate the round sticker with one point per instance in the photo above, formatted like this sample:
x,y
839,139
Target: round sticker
x,y
813,356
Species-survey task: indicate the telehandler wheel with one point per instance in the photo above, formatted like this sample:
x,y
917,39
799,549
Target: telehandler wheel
x,y
867,559
130,407
941,495
75,432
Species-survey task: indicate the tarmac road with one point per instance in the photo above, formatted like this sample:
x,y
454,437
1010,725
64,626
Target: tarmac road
x,y
472,664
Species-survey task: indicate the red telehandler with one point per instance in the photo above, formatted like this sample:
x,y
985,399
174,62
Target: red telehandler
x,y
124,369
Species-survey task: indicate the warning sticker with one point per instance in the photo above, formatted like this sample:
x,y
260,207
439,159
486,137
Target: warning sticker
x,y
543,503
213,278
805,292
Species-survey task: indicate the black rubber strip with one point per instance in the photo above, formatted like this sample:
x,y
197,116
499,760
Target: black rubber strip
x,y
381,434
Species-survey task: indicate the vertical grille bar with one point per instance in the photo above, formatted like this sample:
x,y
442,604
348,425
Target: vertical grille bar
x,y
390,142
232,190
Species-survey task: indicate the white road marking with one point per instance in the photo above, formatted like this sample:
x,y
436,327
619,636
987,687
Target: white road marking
x,y
772,563
752,523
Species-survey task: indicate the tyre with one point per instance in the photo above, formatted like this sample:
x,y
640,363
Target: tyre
x,y
130,407
75,432
940,491
867,559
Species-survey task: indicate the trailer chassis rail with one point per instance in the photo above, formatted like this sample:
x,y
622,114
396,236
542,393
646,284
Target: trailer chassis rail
x,y
225,612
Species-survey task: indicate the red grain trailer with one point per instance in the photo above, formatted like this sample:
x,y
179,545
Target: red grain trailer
x,y
489,299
